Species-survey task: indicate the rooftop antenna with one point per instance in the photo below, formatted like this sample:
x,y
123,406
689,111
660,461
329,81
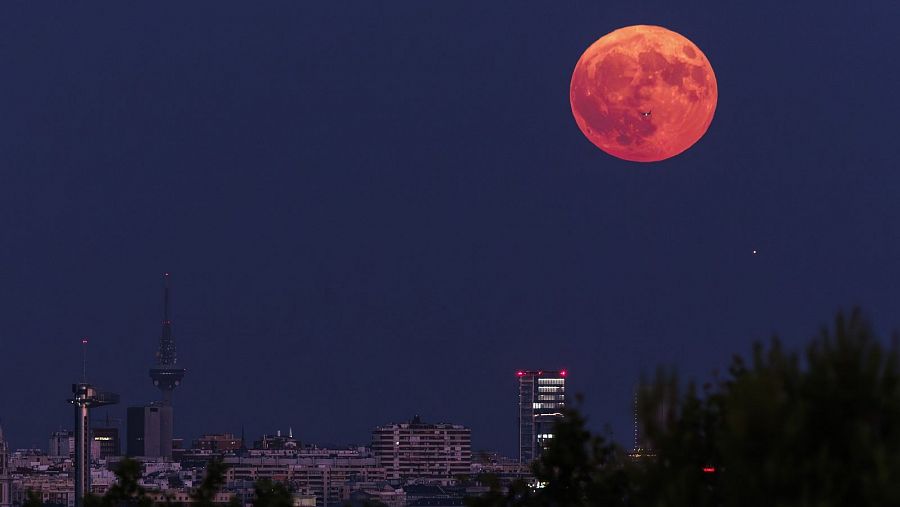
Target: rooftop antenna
x,y
84,342
166,299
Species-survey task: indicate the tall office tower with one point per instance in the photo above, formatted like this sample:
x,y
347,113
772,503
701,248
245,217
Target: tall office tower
x,y
5,481
84,398
542,397
166,376
438,452
145,431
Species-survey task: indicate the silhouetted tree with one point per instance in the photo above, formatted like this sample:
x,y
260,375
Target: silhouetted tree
x,y
576,469
819,429
33,499
271,494
126,491
213,480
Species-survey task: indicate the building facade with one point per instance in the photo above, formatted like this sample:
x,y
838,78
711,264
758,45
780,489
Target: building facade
x,y
62,443
326,477
417,450
106,441
147,429
52,490
542,398
217,442
277,442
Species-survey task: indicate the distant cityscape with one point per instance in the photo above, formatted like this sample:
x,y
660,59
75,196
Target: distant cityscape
x,y
408,463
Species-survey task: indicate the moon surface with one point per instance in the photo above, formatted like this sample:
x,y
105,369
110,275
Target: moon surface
x,y
643,93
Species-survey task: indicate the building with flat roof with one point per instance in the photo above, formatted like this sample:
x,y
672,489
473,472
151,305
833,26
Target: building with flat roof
x,y
106,441
217,442
326,476
62,443
417,450
145,432
542,398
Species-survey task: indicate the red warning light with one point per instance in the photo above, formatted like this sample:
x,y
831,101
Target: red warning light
x,y
520,373
563,373
709,470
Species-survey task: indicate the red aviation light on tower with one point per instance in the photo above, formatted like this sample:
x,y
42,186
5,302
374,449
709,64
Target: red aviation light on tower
x,y
520,373
563,373
709,470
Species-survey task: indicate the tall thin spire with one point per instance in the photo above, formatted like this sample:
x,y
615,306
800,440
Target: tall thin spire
x,y
167,355
84,343
166,297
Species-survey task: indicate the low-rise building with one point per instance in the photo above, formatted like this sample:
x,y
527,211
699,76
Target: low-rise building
x,y
218,443
329,478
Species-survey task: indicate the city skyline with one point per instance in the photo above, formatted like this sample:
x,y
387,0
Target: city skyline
x,y
388,209
137,420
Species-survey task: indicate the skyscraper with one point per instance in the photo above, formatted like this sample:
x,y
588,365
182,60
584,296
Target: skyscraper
x,y
542,397
154,427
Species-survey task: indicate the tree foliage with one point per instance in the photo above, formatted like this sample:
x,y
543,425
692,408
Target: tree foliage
x,y
818,428
126,491
272,494
577,469
33,499
213,480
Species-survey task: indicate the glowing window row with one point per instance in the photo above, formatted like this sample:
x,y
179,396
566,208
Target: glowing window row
x,y
551,389
547,405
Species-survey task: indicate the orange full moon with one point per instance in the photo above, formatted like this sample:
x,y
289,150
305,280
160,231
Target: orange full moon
x,y
643,93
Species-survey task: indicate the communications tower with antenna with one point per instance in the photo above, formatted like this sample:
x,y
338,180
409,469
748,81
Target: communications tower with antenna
x,y
85,397
166,376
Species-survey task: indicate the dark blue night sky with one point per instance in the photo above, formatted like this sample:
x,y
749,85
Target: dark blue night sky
x,y
378,209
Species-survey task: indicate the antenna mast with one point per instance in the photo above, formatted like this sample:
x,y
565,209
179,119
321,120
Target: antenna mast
x,y
84,342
